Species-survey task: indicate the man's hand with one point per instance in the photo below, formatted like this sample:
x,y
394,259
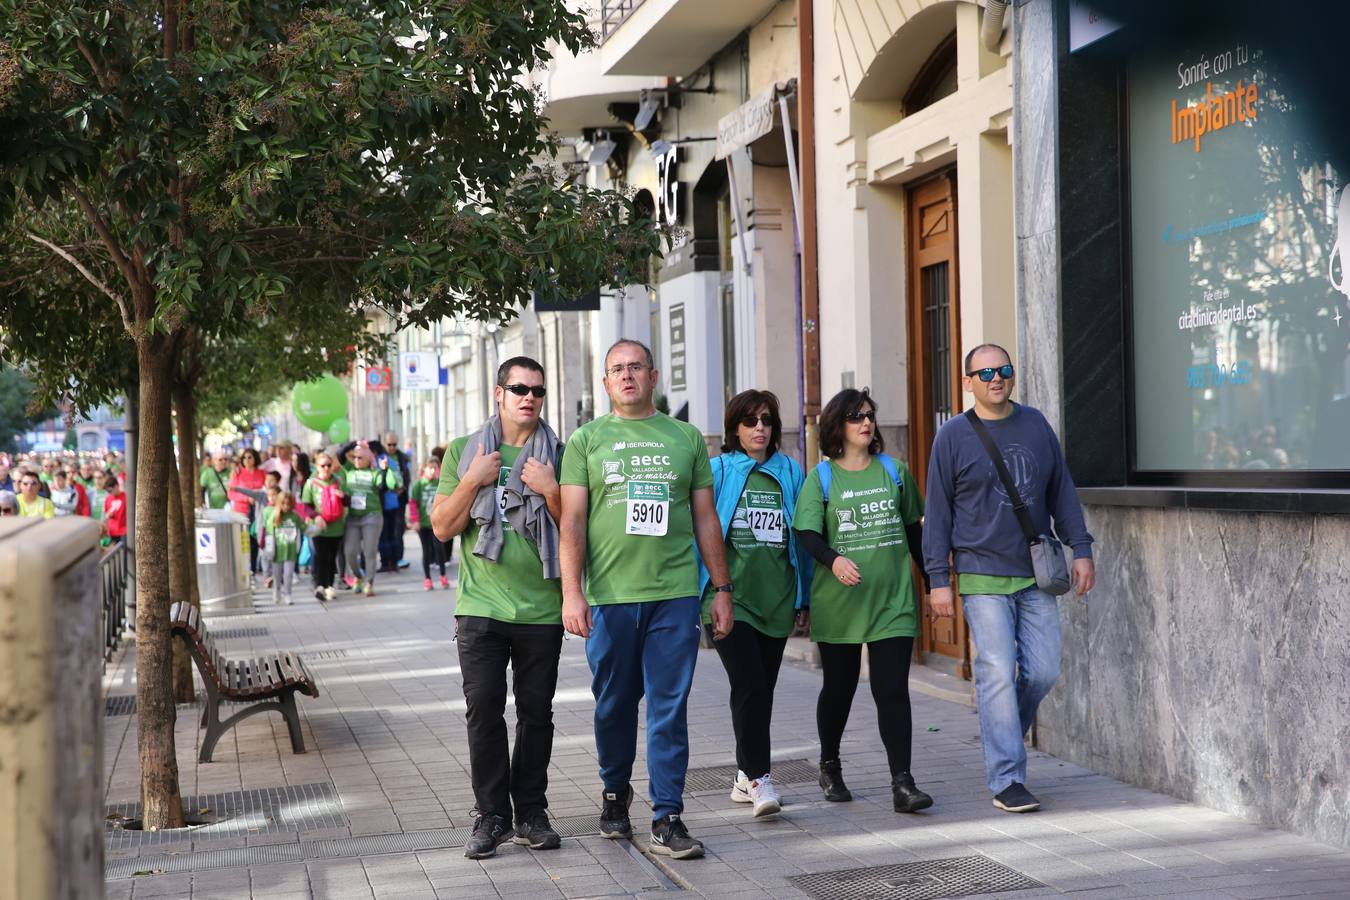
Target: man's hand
x,y
846,570
384,462
802,626
539,477
723,617
941,603
576,615
1083,576
485,469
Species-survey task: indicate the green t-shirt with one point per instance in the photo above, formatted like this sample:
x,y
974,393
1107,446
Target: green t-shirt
x,y
865,520
757,558
365,486
514,588
283,535
423,490
216,484
970,584
640,527
311,495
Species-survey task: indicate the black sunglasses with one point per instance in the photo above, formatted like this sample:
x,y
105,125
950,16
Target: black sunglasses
x,y
869,415
764,419
520,390
1004,371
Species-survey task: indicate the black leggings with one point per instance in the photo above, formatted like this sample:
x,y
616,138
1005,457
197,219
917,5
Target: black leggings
x,y
751,659
325,559
888,660
432,551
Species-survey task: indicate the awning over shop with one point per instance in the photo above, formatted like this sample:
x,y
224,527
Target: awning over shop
x,y
752,120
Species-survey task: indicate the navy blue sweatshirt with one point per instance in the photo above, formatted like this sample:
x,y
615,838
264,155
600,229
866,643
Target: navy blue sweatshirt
x,y
968,516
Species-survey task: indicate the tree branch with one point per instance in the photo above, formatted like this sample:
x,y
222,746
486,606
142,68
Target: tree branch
x,y
105,233
88,276
100,73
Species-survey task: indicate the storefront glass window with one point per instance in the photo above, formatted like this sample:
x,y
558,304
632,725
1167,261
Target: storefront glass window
x,y
1238,233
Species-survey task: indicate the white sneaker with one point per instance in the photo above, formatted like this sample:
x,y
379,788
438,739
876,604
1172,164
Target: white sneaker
x,y
329,593
765,797
740,788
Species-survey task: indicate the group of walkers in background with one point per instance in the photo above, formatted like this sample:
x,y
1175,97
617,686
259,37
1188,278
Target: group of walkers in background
x,y
55,485
339,515
633,539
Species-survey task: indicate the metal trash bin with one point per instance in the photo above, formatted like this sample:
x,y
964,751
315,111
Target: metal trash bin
x,y
222,562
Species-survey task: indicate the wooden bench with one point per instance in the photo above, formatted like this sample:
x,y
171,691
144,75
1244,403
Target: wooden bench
x,y
269,682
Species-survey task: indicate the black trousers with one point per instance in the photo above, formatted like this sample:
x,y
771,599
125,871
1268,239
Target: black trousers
x,y
752,660
888,662
326,550
433,551
390,546
520,778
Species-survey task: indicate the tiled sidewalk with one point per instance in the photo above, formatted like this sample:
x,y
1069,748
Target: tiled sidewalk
x,y
388,735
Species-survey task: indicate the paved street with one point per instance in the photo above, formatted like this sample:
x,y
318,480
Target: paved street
x,y
389,800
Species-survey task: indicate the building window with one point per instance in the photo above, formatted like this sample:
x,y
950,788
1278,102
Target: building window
x,y
1239,234
936,78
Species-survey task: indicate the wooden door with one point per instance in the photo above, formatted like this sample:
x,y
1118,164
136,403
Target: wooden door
x,y
934,361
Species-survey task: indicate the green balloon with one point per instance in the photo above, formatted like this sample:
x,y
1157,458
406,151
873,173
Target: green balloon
x,y
339,431
318,403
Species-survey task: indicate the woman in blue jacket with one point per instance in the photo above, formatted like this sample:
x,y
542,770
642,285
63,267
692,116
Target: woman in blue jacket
x,y
755,488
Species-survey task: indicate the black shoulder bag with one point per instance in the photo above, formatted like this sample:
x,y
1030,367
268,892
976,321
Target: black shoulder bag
x,y
1047,554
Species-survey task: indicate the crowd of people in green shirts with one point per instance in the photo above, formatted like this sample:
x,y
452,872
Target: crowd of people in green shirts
x,y
56,485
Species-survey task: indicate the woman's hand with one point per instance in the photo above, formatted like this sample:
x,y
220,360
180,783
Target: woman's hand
x,y
846,571
802,626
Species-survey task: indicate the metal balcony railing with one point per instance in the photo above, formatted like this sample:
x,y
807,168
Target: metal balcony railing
x,y
612,15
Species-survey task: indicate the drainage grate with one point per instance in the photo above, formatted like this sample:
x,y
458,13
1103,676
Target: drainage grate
x,y
324,654
927,879
122,705
334,848
719,778
301,807
248,631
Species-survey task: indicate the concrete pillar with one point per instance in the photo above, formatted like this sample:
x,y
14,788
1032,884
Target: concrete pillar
x,y
51,710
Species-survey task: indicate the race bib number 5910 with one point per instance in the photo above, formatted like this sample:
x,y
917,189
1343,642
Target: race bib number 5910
x,y
648,508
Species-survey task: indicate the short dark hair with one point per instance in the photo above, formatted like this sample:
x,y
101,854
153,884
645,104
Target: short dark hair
x,y
647,351
748,403
516,362
846,402
977,348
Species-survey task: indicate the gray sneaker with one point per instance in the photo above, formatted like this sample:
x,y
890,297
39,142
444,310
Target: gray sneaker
x,y
1015,798
671,838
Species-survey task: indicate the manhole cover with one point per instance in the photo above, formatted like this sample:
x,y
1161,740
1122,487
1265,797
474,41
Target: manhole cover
x,y
119,706
248,631
927,879
719,778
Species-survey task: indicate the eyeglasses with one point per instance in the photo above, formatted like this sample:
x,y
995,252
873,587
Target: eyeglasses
x,y
28,482
634,369
8,511
520,390
764,419
987,374
869,415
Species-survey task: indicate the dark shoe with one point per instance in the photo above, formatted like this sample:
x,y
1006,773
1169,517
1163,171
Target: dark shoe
x,y
1017,799
906,797
832,782
614,821
671,838
489,833
535,832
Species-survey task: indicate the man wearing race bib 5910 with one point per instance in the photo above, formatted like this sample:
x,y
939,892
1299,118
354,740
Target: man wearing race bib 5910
x,y
636,495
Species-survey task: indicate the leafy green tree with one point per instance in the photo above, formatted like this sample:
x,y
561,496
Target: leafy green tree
x,y
184,163
17,412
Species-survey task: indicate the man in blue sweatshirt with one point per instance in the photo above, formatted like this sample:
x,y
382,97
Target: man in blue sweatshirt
x,y
970,526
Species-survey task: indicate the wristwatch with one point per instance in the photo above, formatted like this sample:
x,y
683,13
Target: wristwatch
x,y
723,588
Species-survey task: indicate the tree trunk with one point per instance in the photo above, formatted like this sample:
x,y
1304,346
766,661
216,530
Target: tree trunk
x,y
180,579
185,405
161,802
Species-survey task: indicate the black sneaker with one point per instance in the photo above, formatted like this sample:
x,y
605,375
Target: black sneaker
x,y
906,797
671,838
614,822
535,832
832,782
1016,798
489,833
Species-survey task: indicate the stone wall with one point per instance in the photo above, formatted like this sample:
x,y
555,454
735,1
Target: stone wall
x,y
1212,662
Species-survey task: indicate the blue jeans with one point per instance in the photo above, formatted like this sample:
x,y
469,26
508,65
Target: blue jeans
x,y
635,649
1017,645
